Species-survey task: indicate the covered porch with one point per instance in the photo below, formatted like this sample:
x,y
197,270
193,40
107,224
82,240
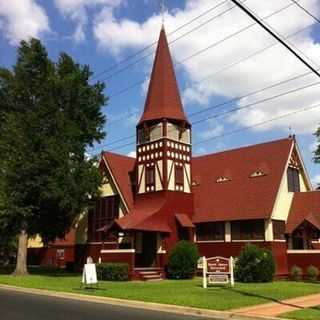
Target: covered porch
x,y
144,238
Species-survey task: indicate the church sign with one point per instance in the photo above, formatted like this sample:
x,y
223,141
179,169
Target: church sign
x,y
217,270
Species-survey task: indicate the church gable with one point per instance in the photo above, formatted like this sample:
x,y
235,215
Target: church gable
x,y
294,179
118,178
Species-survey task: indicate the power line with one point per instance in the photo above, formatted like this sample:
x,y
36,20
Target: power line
x,y
306,11
259,124
226,102
252,15
117,93
207,48
128,66
128,58
254,24
257,102
226,112
283,116
233,64
223,103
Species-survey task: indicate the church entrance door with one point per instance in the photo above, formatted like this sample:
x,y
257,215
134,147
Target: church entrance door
x,y
149,249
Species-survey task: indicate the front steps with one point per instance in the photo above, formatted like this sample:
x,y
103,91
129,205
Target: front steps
x,y
149,274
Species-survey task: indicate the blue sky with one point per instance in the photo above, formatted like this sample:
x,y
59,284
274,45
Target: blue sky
x,y
241,59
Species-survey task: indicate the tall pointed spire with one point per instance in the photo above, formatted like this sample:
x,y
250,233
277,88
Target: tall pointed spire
x,y
163,98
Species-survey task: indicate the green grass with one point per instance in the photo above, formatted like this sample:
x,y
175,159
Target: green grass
x,y
178,292
303,314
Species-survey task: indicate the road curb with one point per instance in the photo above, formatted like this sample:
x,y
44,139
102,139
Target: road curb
x,y
212,314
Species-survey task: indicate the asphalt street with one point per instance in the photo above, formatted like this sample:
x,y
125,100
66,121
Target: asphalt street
x,y
22,306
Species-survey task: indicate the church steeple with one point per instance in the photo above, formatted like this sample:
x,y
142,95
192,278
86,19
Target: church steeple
x,y
163,98
163,132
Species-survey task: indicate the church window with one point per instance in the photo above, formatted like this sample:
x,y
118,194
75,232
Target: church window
x,y
106,210
150,176
143,135
293,180
279,228
247,230
179,177
156,132
210,231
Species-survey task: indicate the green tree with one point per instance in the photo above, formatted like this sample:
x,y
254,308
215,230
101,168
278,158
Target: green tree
x,y
50,114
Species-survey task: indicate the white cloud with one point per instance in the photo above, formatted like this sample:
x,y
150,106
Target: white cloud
x,y
77,10
132,154
214,129
316,180
313,146
271,66
22,20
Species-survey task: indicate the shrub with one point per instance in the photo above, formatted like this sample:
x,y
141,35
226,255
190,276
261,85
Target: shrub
x,y
312,273
113,271
183,260
255,264
296,273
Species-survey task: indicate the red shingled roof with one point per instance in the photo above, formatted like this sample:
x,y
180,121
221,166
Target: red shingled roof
x,y
163,98
184,220
120,167
242,197
146,215
305,206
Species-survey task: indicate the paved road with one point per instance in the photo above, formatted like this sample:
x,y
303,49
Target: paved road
x,y
22,306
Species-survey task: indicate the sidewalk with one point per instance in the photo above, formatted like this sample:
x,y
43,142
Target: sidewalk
x,y
276,308
205,313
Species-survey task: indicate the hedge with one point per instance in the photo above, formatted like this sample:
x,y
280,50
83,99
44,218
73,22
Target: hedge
x,y
113,271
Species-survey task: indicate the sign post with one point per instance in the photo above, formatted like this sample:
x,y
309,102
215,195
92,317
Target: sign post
x,y
204,273
217,270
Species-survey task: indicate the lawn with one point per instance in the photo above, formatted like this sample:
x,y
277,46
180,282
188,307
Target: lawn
x,y
304,314
178,292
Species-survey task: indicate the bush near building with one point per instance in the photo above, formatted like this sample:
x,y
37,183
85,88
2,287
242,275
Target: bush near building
x,y
312,273
183,260
296,273
255,264
113,271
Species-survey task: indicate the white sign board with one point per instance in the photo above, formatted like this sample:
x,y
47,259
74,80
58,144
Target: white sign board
x,y
218,278
217,270
89,274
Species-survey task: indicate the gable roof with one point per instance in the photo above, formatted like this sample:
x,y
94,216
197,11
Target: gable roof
x,y
240,194
120,167
305,206
145,216
163,97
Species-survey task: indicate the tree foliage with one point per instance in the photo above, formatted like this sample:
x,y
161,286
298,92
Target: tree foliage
x,y
49,115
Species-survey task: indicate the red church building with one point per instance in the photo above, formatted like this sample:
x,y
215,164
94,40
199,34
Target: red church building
x,y
259,194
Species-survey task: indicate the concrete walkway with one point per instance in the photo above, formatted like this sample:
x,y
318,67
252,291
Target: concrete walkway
x,y
276,308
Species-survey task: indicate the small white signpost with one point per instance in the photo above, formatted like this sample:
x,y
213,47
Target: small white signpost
x,y
89,274
217,270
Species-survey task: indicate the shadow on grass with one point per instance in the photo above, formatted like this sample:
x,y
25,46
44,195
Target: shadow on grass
x,y
89,289
267,298
41,271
